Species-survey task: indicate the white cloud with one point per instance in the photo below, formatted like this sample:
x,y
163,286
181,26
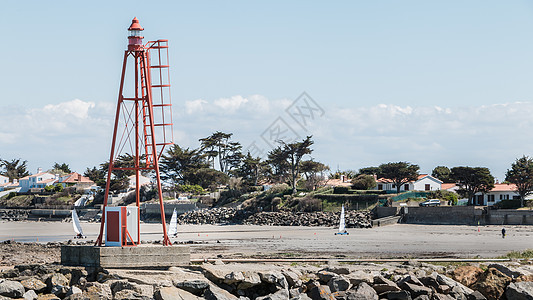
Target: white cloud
x,y
194,106
231,104
79,132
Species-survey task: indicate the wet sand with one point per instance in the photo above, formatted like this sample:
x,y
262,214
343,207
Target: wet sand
x,y
399,240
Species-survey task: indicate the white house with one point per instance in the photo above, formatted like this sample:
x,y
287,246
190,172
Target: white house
x,y
424,182
39,180
3,179
501,191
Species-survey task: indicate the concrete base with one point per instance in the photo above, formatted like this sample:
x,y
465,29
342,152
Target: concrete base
x,y
143,256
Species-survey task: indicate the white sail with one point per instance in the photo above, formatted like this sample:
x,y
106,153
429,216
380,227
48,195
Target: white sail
x,y
342,224
76,223
173,228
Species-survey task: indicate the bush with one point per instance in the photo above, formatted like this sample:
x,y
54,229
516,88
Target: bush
x,y
282,188
309,204
508,204
363,182
190,188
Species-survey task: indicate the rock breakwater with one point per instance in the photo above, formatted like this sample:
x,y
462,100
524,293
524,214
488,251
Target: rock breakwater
x,y
409,280
354,219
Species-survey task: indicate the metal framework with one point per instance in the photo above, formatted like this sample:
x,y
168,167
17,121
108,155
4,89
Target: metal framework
x,y
143,120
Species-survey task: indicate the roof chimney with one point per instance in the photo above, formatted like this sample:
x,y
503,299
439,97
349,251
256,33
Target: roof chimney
x,y
39,170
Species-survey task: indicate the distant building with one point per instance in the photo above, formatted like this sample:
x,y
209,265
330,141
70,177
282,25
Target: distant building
x,y
143,180
81,183
424,182
37,181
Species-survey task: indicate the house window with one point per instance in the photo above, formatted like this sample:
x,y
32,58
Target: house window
x,y
427,187
507,197
380,187
406,187
501,196
490,198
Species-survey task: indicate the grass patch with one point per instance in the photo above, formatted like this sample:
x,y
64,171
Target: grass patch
x,y
527,254
17,201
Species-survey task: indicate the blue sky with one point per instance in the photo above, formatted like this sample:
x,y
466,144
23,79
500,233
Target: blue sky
x,y
433,83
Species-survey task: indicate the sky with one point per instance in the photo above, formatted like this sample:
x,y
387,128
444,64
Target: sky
x,y
427,82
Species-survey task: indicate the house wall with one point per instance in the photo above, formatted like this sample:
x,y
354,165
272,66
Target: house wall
x,y
420,185
4,179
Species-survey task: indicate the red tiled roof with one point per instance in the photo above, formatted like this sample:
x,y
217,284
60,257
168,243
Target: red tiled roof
x,y
503,187
446,186
421,176
338,182
76,178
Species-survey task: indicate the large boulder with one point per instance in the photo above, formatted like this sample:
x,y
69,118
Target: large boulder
x,y
416,290
216,293
170,292
275,278
362,292
292,278
196,287
56,279
357,277
467,275
250,279
456,289
96,290
282,294
320,292
339,283
10,288
520,290
492,283
505,270
33,283
326,276
382,285
30,295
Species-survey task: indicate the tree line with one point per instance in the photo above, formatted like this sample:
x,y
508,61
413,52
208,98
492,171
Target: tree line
x,y
220,161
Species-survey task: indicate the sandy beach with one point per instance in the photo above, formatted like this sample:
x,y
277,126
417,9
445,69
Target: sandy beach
x,y
208,241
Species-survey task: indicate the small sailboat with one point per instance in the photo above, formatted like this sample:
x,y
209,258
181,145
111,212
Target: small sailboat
x,y
342,224
173,228
77,225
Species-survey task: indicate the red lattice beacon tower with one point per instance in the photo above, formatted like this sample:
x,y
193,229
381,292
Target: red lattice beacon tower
x,y
143,127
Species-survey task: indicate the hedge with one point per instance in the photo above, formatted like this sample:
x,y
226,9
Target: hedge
x,y
347,198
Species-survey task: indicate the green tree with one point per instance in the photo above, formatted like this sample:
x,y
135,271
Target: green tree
x,y
209,178
399,173
96,175
14,169
363,182
521,174
472,180
313,172
63,167
442,173
179,165
250,170
292,154
219,146
279,167
348,174
370,171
